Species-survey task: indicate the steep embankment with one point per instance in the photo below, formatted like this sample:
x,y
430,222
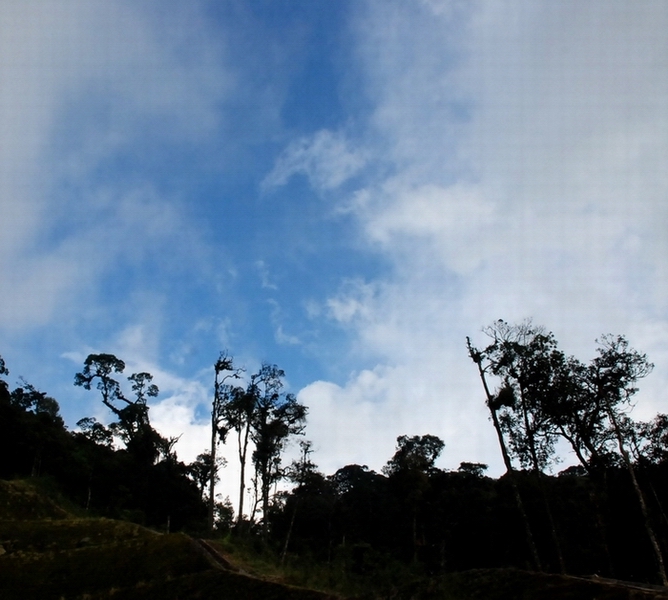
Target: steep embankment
x,y
46,553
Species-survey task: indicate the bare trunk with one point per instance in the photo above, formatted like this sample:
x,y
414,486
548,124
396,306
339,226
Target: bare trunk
x,y
641,498
265,504
576,448
550,519
212,475
506,460
289,534
529,427
243,451
256,501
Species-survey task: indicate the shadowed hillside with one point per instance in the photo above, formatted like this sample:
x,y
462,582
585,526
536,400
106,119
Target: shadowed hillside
x,y
48,554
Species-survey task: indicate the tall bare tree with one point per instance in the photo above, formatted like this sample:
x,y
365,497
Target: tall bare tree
x,y
276,418
530,366
612,378
224,372
494,402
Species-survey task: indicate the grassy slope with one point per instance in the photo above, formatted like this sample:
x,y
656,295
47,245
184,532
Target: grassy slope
x,y
49,554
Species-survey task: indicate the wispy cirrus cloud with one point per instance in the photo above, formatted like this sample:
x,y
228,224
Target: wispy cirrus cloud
x,y
326,158
101,85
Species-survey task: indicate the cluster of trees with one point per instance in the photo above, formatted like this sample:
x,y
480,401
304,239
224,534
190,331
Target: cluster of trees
x,y
544,395
141,479
261,413
435,521
127,468
604,515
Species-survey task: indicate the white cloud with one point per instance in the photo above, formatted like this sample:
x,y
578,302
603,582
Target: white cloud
x,y
529,148
360,421
327,158
285,338
353,302
83,81
280,336
265,277
455,224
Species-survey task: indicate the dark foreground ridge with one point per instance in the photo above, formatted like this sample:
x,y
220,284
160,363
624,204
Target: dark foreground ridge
x,y
514,584
47,553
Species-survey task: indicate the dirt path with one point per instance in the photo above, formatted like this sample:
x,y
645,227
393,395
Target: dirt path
x,y
219,558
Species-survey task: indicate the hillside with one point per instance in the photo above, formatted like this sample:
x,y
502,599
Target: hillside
x,y
48,553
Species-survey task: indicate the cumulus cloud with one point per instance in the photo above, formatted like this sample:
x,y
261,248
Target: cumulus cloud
x,y
358,422
454,225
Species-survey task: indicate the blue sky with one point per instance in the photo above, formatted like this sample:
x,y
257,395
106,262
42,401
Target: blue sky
x,y
345,189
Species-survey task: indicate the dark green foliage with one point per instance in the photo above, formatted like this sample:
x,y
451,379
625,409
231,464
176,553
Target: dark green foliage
x,y
115,483
88,568
200,471
466,521
514,584
649,440
22,501
33,440
417,454
211,585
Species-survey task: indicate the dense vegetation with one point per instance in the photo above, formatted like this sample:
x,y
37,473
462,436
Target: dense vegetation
x,y
605,516
136,482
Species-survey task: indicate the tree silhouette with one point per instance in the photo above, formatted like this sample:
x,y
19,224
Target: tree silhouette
x,y
409,470
224,370
201,470
612,377
530,367
133,426
277,417
235,411
3,371
494,403
417,453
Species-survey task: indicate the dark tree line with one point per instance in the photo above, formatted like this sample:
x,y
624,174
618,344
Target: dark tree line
x,y
439,521
127,469
605,515
124,470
